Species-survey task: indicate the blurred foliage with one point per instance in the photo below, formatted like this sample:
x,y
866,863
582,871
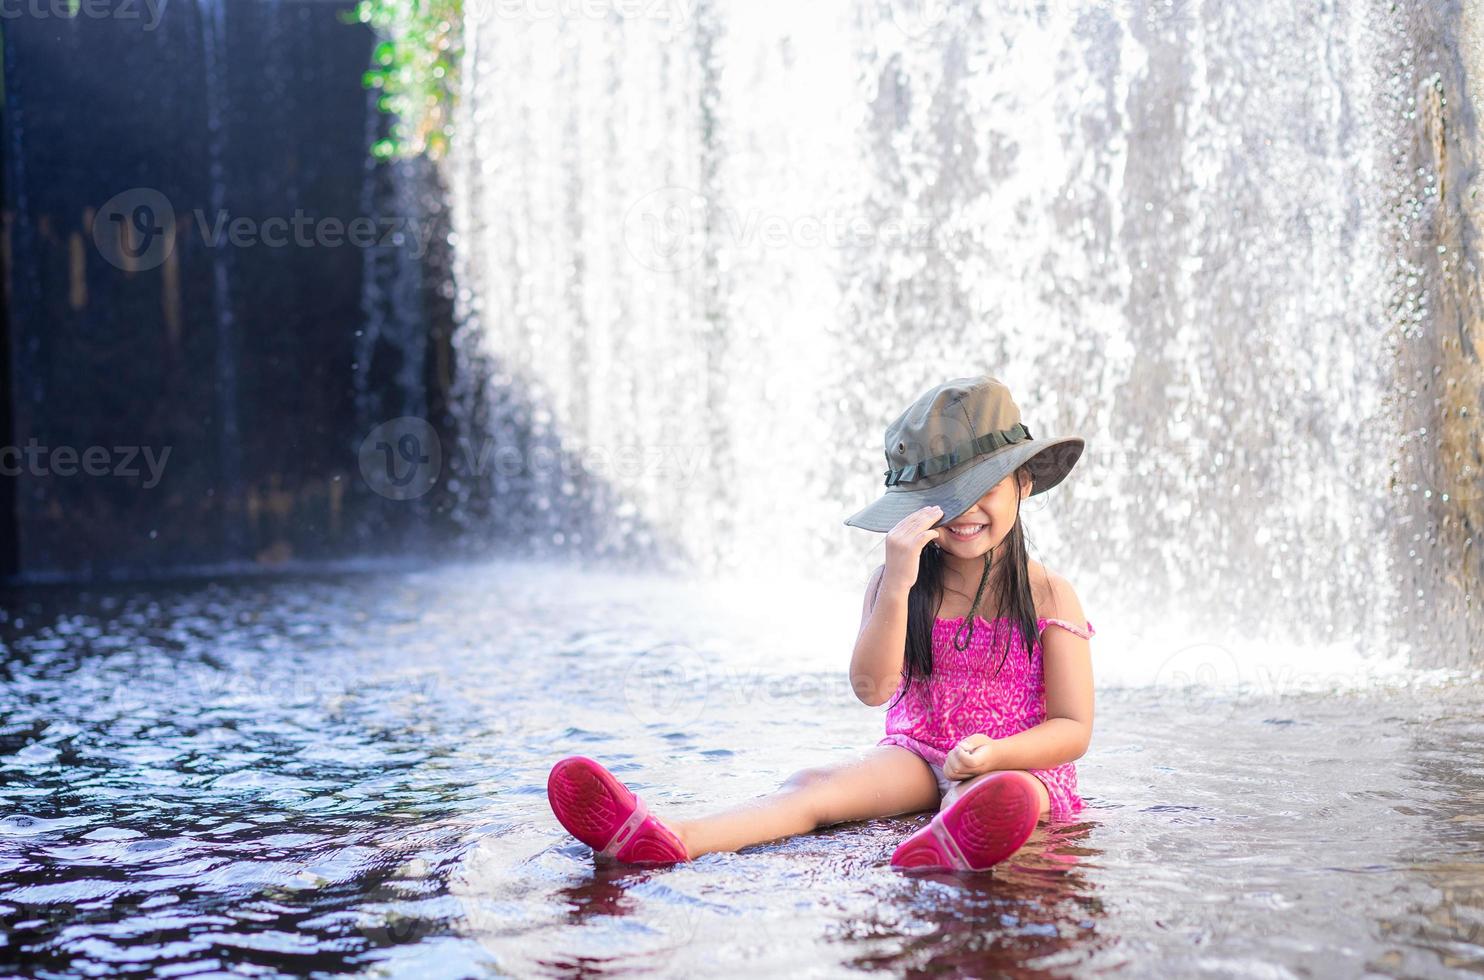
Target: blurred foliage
x,y
415,65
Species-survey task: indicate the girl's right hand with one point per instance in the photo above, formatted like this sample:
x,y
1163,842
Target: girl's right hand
x,y
904,544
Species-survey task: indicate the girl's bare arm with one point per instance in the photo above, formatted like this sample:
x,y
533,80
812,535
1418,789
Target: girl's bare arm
x,y
1067,663
880,644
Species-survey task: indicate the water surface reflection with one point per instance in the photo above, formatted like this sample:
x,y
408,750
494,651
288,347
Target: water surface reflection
x,y
348,774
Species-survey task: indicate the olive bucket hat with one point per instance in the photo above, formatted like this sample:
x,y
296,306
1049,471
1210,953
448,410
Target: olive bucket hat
x,y
953,445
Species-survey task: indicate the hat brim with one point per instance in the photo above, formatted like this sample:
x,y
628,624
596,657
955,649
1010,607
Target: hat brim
x,y
1050,460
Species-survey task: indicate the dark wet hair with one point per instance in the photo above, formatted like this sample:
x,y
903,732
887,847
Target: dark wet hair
x,y
926,598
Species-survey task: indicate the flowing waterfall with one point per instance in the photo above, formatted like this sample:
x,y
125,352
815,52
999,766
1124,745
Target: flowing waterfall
x,y
228,435
708,251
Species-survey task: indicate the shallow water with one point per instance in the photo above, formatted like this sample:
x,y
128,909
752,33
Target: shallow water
x,y
347,775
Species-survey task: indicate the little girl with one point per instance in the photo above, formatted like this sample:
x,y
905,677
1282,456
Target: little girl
x,y
987,715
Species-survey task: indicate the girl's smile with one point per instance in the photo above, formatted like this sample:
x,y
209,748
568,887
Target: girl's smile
x,y
966,531
982,527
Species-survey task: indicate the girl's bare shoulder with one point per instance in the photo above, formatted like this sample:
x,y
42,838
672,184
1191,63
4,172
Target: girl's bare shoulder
x,y
1054,596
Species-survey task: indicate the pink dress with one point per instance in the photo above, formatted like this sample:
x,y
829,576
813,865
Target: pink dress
x,y
964,698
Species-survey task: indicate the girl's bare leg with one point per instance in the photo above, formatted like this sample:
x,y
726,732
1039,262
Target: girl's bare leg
x,y
884,781
957,790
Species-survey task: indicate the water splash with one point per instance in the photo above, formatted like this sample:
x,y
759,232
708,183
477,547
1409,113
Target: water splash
x,y
757,232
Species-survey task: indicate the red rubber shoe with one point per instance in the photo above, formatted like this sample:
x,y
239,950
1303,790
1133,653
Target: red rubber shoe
x,y
605,815
986,824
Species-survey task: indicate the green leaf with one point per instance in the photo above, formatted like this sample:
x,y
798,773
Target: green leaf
x,y
415,63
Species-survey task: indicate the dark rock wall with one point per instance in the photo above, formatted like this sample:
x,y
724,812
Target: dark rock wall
x,y
182,392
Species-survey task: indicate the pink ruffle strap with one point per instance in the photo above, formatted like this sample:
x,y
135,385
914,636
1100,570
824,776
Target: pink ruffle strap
x,y
1086,634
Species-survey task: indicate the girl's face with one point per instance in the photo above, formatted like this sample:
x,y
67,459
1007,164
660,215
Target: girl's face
x,y
984,525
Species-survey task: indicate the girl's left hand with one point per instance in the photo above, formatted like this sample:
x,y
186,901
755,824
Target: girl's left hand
x,y
970,757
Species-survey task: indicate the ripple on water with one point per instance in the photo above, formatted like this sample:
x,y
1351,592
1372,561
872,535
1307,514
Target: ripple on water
x,y
370,820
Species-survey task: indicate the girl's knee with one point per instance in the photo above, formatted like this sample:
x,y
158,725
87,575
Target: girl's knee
x,y
809,797
1043,794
